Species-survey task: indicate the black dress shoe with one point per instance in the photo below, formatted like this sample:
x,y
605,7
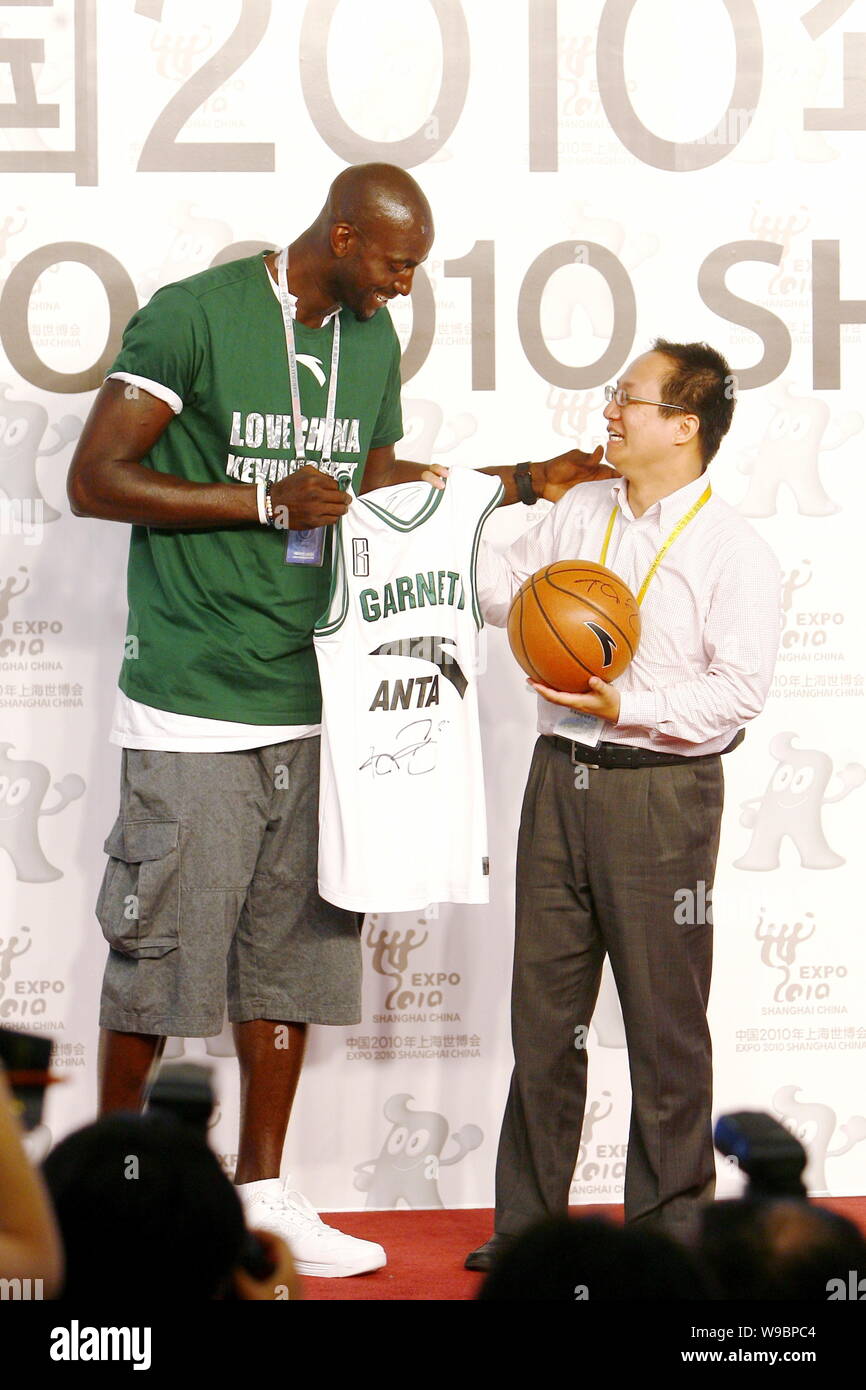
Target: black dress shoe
x,y
485,1256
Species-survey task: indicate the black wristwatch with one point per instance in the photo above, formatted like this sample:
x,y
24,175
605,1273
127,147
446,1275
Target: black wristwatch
x,y
523,479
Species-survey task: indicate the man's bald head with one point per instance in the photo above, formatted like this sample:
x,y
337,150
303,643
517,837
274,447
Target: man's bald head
x,y
368,240
367,195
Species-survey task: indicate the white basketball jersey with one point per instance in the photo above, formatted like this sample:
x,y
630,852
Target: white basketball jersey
x,y
402,818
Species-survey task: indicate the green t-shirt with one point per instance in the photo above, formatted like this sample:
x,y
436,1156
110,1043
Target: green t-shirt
x,y
223,626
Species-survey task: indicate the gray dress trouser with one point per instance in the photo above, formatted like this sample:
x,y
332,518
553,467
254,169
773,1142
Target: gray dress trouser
x,y
600,870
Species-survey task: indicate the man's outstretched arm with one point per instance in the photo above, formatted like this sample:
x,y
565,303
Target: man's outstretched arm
x,y
550,479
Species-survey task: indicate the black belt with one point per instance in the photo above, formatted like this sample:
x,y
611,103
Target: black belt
x,y
622,755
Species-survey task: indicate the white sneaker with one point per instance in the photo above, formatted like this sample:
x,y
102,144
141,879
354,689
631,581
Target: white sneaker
x,y
317,1249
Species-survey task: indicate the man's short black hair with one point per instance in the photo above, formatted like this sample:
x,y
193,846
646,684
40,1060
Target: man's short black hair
x,y
782,1248
552,1260
146,1213
700,379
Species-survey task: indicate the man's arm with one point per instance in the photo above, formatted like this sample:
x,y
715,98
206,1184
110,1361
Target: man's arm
x,y
107,478
550,479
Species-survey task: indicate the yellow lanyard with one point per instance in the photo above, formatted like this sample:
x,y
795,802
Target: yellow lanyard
x,y
678,529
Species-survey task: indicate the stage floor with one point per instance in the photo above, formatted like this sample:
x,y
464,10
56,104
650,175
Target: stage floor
x,y
426,1250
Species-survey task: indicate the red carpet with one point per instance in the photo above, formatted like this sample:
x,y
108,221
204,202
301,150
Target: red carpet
x,y
426,1250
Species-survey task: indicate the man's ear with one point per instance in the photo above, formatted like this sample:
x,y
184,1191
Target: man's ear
x,y
344,239
688,427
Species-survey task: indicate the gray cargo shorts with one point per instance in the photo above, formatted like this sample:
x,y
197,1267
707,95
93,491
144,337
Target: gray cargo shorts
x,y
210,896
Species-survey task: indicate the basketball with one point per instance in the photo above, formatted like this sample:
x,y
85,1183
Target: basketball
x,y
573,620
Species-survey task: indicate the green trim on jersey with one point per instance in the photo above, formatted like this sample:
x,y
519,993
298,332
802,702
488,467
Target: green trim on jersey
x,y
476,541
327,625
223,627
427,508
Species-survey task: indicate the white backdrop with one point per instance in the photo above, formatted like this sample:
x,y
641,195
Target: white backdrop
x,y
600,173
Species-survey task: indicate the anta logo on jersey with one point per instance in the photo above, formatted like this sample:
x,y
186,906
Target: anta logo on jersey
x,y
399,694
418,692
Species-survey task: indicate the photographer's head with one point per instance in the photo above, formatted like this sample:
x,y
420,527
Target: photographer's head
x,y
782,1248
591,1259
145,1211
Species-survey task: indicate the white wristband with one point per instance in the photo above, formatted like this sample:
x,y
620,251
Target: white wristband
x,y
260,502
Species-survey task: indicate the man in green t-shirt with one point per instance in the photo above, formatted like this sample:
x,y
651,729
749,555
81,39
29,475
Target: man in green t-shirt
x,y
233,406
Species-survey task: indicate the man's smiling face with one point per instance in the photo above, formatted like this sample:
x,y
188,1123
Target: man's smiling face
x,y
639,434
378,265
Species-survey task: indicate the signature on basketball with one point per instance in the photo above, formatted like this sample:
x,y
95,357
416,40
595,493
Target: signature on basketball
x,y
415,751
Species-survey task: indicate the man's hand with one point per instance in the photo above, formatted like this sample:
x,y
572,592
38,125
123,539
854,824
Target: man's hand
x,y
553,478
308,498
602,700
436,474
383,469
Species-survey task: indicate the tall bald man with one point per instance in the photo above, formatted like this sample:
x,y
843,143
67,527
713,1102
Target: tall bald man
x,y
237,396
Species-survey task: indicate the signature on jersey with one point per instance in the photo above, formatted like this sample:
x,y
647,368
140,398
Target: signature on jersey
x,y
415,751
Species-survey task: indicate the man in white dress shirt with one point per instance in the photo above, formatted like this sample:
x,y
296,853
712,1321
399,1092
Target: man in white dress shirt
x,y
623,803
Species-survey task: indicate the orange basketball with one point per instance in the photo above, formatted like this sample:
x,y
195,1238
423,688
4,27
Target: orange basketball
x,y
572,620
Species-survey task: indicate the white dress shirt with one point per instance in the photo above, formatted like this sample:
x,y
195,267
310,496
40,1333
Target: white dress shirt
x,y
710,618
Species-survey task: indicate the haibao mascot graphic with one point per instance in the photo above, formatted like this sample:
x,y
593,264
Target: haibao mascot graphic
x,y
815,1125
427,433
407,1167
23,786
792,805
197,242
22,425
787,457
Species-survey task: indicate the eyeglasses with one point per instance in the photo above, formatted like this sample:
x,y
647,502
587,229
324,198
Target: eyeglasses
x,y
621,397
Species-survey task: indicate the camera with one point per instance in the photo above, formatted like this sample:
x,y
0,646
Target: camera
x,y
184,1090
26,1059
772,1159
